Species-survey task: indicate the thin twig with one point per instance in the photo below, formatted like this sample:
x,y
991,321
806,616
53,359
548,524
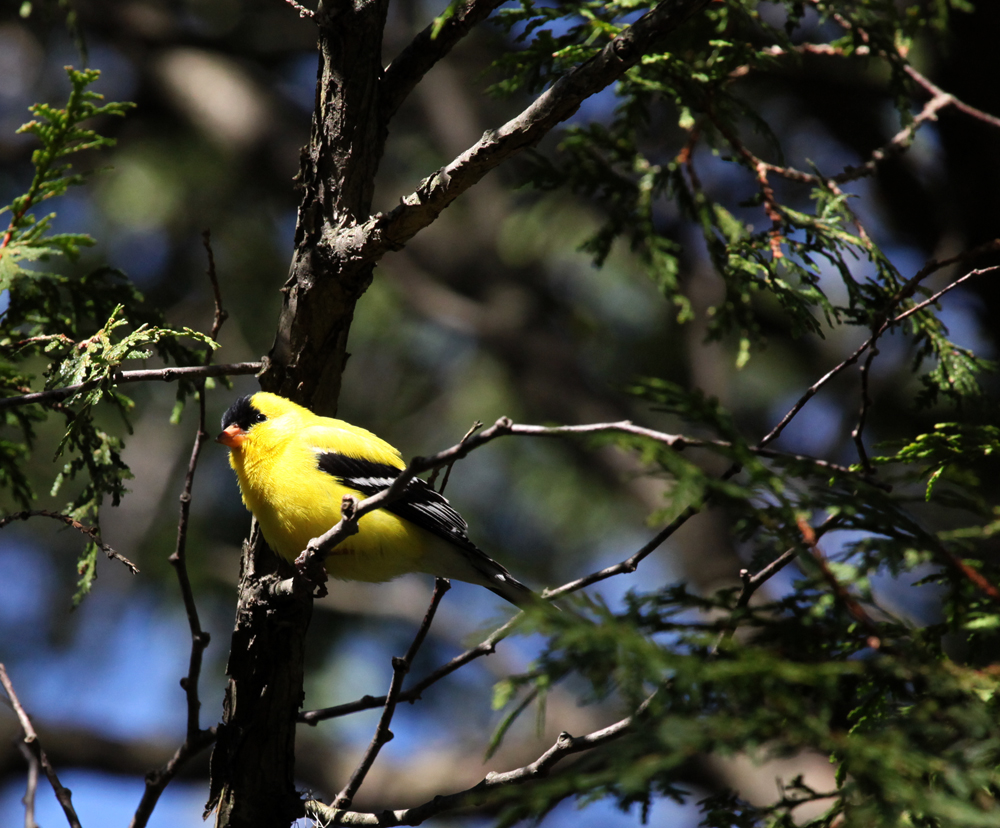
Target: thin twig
x,y
940,99
157,780
921,80
400,667
629,564
760,169
883,325
970,573
488,645
858,433
851,604
195,738
302,10
31,788
447,469
64,795
751,583
961,106
92,532
485,647
898,143
142,375
934,299
565,745
905,292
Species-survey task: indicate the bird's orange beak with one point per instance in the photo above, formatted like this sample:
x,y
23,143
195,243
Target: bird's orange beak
x,y
233,436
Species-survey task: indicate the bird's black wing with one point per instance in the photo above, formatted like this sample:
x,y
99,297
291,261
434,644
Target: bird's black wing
x,y
426,508
419,504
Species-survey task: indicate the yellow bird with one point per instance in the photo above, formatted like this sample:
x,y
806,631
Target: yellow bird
x,y
295,467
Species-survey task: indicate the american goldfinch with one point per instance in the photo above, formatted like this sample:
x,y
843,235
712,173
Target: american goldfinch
x,y
295,467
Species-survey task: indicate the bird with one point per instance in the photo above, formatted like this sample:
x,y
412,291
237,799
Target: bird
x,y
294,468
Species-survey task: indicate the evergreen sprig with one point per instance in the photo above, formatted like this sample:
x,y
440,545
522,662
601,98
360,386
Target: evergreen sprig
x,y
74,328
816,662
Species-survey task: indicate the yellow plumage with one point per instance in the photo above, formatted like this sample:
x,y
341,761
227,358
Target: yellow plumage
x,y
294,469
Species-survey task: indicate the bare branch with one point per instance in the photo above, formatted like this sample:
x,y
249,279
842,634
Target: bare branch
x,y
934,299
195,738
302,10
751,583
400,667
866,401
141,375
92,532
32,786
565,745
64,795
961,106
898,143
157,780
485,647
390,231
469,443
426,49
488,645
858,433
629,564
905,292
447,469
851,604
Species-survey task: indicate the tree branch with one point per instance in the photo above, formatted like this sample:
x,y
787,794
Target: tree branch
x,y
485,647
961,106
488,645
390,231
64,795
195,738
565,745
31,788
92,532
905,292
851,604
427,48
309,562
400,667
141,375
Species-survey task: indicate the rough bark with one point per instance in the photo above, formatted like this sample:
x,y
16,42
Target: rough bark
x,y
253,764
337,177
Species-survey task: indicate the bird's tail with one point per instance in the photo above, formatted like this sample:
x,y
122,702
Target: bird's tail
x,y
467,562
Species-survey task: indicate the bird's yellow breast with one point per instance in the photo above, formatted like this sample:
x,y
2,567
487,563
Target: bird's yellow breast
x,y
294,501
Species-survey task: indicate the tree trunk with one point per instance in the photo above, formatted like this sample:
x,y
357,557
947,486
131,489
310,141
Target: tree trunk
x,y
253,766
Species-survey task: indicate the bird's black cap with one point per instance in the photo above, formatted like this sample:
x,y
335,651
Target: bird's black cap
x,y
243,414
